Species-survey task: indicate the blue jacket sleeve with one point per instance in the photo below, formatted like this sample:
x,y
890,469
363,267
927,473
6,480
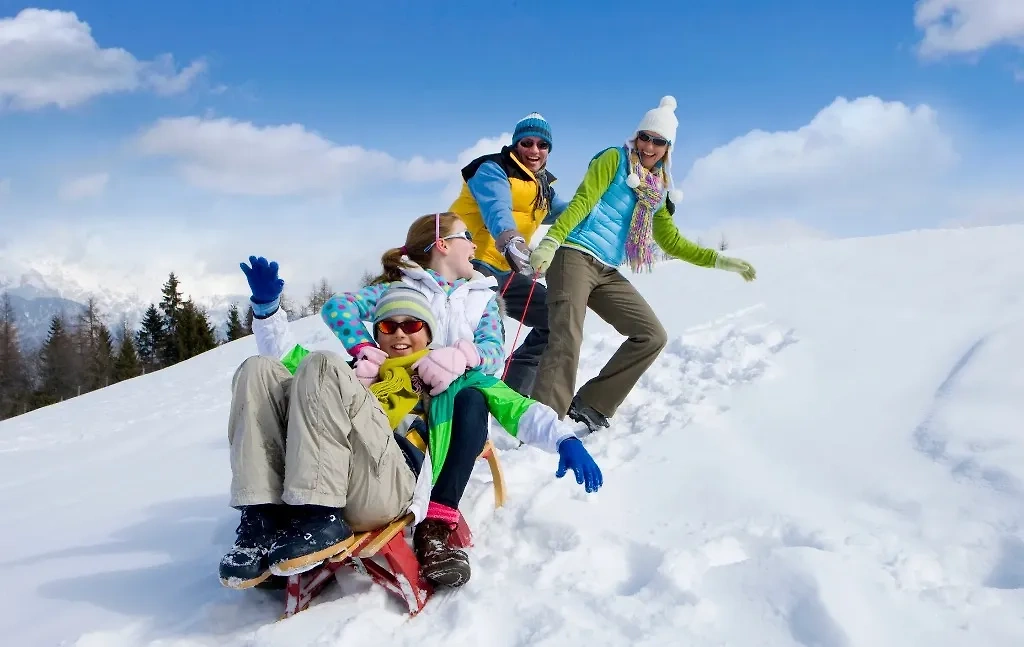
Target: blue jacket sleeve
x,y
491,190
558,205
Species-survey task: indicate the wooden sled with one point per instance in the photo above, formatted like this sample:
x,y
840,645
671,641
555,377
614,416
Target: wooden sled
x,y
386,556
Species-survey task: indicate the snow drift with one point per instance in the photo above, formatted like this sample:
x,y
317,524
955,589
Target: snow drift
x,y
831,456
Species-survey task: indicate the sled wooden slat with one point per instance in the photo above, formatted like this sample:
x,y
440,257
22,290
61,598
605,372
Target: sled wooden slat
x,y
497,475
382,537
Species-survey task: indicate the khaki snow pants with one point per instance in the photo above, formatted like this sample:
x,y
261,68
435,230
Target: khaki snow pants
x,y
575,281
318,438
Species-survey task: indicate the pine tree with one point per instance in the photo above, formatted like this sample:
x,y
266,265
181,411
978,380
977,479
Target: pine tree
x,y
100,370
127,363
195,334
171,304
249,316
150,339
318,297
14,376
236,329
95,348
57,364
723,244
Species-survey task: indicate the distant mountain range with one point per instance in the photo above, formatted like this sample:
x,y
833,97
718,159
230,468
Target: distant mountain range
x,y
37,298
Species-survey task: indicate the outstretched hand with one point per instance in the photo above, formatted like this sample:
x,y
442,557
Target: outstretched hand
x,y
263,280
574,456
738,265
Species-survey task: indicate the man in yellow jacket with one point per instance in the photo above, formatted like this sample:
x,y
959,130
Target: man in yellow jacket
x,y
505,197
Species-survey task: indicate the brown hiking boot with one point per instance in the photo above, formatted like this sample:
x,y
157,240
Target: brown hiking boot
x,y
440,563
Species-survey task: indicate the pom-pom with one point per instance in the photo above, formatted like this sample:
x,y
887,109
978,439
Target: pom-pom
x,y
676,196
632,180
668,102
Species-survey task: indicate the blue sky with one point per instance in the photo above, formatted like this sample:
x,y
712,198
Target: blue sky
x,y
425,79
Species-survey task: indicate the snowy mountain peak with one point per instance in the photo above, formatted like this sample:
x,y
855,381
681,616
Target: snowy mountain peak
x,y
47,286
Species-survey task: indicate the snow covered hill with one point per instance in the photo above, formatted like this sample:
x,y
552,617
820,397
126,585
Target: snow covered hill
x,y
832,456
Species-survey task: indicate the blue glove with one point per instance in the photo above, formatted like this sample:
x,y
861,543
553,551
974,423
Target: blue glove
x,y
264,283
574,456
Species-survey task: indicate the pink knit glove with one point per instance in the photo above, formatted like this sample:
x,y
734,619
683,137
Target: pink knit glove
x,y
368,361
442,366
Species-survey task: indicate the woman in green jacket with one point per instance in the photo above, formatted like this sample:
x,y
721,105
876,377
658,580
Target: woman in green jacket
x,y
621,209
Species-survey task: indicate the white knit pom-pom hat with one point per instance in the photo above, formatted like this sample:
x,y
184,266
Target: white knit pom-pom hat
x,y
661,120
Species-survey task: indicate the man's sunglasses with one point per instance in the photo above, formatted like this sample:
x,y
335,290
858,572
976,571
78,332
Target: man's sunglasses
x,y
647,137
409,326
530,143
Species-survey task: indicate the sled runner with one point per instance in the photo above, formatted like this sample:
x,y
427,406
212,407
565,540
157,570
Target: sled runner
x,y
385,555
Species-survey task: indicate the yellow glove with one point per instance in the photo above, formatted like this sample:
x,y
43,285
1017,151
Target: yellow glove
x,y
738,265
541,257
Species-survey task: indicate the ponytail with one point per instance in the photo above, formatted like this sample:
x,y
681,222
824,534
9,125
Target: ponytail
x,y
393,263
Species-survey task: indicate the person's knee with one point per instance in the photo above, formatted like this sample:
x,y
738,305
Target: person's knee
x,y
317,362
471,402
257,367
471,409
658,336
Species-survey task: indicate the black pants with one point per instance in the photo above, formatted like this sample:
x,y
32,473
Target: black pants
x,y
469,433
522,368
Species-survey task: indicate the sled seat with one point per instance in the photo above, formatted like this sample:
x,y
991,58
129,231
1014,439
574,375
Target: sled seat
x,y
386,556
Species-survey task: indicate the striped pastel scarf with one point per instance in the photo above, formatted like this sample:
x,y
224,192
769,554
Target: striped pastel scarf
x,y
640,240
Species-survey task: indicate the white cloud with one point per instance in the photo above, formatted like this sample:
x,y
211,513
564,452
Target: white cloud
x,y
50,57
131,247
857,165
241,158
87,186
967,26
484,146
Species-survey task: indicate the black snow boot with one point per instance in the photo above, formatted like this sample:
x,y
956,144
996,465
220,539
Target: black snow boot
x,y
586,414
440,564
315,534
246,565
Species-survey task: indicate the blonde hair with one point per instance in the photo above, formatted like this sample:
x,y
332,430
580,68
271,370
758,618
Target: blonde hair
x,y
421,234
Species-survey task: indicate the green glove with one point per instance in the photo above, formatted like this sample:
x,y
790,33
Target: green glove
x,y
541,257
738,265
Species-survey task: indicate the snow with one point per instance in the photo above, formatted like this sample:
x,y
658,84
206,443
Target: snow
x,y
829,457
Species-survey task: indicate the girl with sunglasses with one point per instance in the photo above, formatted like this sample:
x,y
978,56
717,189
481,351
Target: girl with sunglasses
x,y
435,261
468,338
623,206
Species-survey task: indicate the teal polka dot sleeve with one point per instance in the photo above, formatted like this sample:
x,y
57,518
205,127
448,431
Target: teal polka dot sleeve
x,y
345,313
489,339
